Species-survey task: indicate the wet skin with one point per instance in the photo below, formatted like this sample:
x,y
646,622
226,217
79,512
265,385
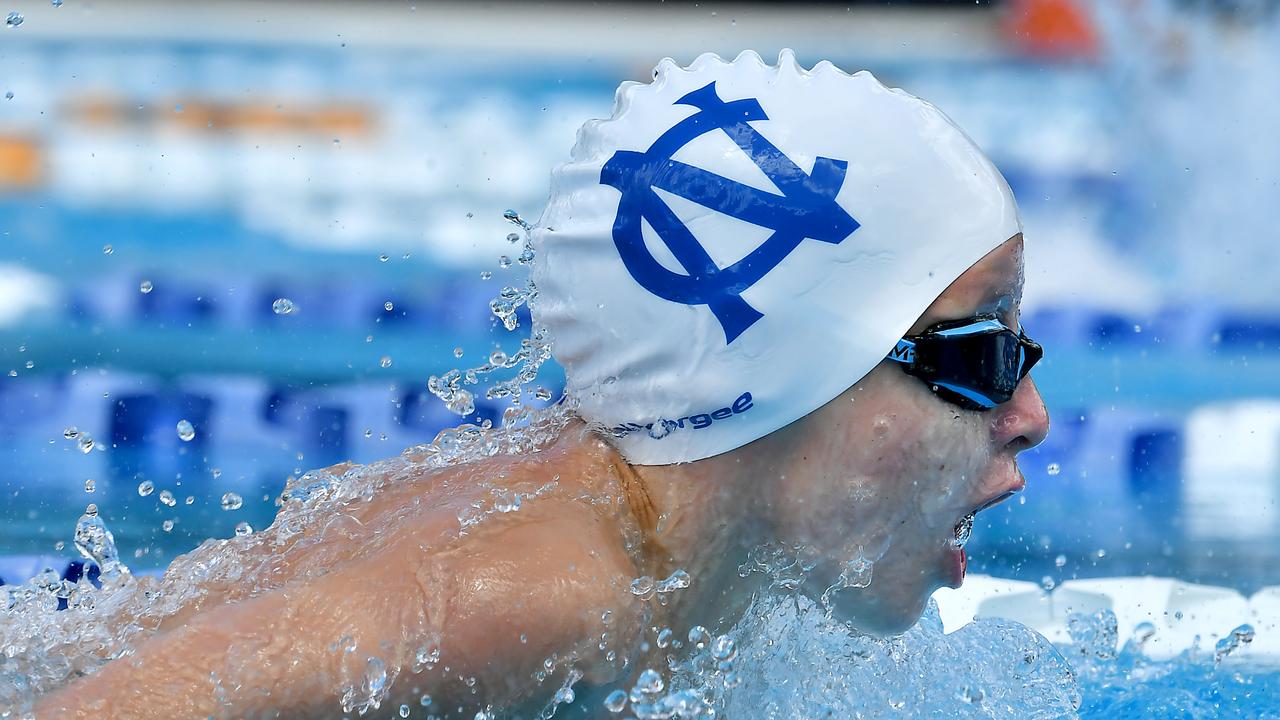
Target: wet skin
x,y
885,469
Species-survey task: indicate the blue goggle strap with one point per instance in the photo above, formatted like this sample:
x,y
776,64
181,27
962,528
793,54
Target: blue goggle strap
x,y
904,352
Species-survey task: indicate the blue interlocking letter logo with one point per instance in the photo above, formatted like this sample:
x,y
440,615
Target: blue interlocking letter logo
x,y
806,209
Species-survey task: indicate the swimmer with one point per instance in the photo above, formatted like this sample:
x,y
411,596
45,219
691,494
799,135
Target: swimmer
x,y
787,304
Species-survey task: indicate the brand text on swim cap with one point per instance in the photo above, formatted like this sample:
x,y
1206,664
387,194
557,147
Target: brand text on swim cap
x,y
697,421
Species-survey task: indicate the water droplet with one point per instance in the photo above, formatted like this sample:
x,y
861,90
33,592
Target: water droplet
x,y
1060,561
485,274
1054,468
1047,583
186,431
232,501
457,352
8,95
542,394
723,649
56,3
190,500
385,361
14,19
425,658
677,580
511,215
425,700
661,428
513,238
699,637
404,711
384,258
388,306
167,498
642,587
564,696
504,261
167,525
282,306
507,501
649,683
145,287
59,545
146,487
243,529
70,433
85,443
616,701
107,250
664,637
90,485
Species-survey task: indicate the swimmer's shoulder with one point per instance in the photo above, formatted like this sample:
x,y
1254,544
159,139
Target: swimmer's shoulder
x,y
549,566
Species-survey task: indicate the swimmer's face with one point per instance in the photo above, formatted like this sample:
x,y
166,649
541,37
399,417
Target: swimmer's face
x,y
887,469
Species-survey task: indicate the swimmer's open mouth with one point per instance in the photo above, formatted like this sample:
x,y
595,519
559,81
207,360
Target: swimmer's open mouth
x,y
964,528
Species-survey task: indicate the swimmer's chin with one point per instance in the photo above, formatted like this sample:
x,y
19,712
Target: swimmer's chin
x,y
873,615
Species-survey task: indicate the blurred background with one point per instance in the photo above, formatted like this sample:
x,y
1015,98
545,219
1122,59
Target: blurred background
x,y
275,220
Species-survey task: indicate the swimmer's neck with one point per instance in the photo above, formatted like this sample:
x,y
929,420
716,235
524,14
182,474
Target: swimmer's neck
x,y
700,517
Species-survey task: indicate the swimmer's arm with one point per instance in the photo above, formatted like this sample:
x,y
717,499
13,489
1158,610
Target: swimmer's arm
x,y
280,651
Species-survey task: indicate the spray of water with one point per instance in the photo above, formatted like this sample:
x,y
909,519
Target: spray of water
x,y
785,656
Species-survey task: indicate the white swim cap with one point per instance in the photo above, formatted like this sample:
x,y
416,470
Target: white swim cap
x,y
740,243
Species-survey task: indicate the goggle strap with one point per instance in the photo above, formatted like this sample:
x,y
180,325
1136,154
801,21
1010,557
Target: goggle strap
x,y
904,352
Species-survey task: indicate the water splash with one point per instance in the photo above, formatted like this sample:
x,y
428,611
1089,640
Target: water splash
x,y
800,663
533,353
96,543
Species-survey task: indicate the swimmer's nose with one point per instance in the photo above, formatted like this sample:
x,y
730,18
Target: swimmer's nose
x,y
1023,422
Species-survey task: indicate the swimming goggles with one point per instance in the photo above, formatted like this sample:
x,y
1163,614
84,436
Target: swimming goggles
x,y
975,363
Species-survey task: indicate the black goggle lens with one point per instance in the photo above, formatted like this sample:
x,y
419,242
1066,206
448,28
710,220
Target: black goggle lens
x,y
973,366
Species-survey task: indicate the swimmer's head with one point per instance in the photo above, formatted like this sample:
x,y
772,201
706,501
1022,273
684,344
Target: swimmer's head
x,y
740,243
728,268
